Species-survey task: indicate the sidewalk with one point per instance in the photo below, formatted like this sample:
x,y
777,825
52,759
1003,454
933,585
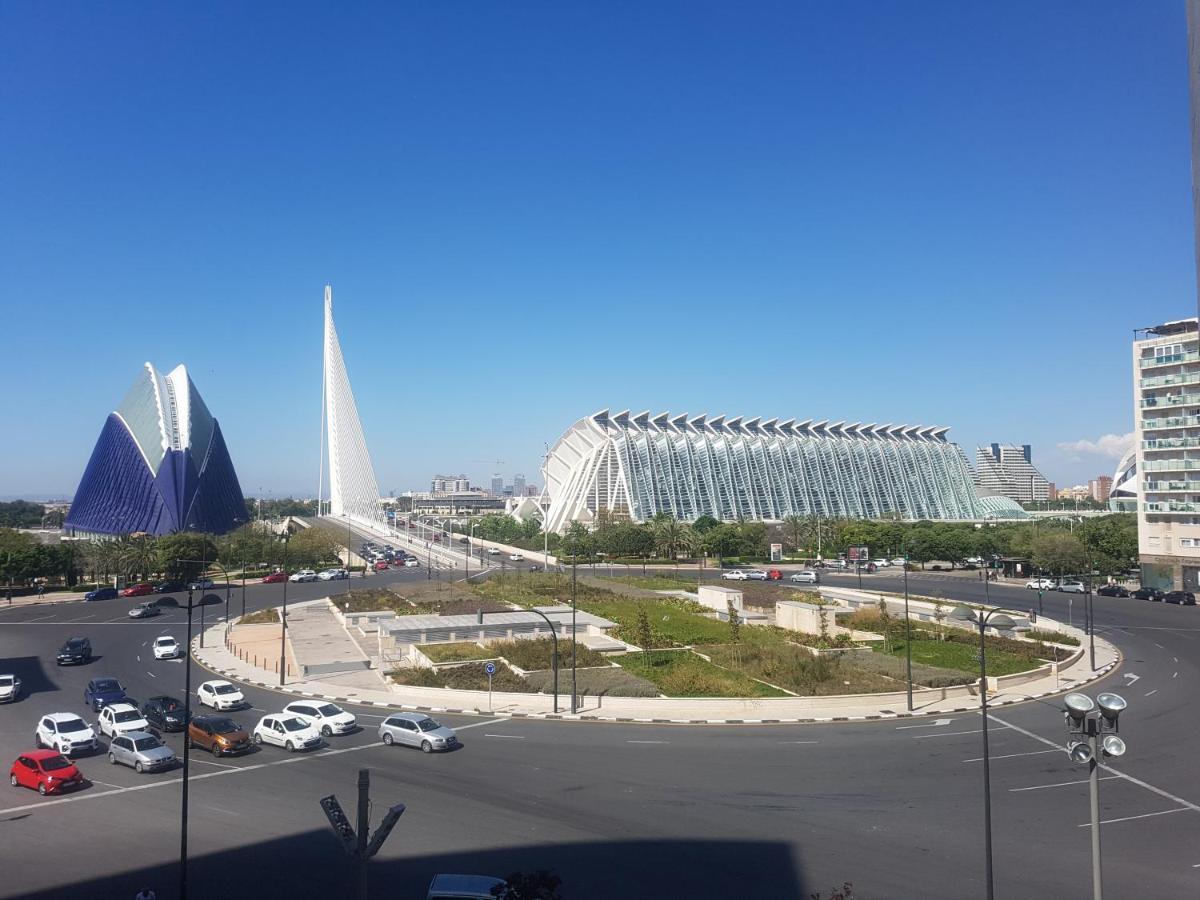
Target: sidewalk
x,y
676,710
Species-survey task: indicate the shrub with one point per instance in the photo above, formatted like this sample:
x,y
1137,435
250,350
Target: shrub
x,y
417,677
610,681
472,677
1038,634
441,653
262,617
536,654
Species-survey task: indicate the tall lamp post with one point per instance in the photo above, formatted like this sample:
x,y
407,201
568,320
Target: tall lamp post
x,y
283,617
553,636
907,634
574,638
997,618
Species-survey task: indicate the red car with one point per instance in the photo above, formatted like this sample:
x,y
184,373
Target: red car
x,y
275,577
45,771
774,575
138,590
381,566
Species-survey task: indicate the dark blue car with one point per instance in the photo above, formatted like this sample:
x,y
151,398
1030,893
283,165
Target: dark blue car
x,y
101,594
101,692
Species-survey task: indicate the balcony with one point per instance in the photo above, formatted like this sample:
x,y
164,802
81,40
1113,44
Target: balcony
x,y
1174,359
1171,400
1171,443
1159,381
1171,422
1163,487
1172,465
1172,506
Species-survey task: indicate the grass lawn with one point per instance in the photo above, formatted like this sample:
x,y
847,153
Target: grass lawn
x,y
680,673
606,682
262,617
470,677
658,582
963,657
461,652
792,668
533,655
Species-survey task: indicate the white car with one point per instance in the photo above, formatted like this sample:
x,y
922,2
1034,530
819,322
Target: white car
x,y
492,551
1071,586
303,575
735,575
220,695
119,718
756,575
202,584
881,563
166,647
808,576
411,563
10,688
64,732
1040,584
332,575
287,731
515,557
328,718
899,561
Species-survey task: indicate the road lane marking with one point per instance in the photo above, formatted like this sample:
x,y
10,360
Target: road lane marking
x,y
918,737
209,762
508,737
1175,675
38,619
1161,812
1130,778
938,724
1159,646
106,784
647,742
477,724
1155,691
151,674
1014,755
799,742
1042,787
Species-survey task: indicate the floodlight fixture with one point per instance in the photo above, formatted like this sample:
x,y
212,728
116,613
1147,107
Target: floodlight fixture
x,y
1078,706
1079,752
1113,745
1111,706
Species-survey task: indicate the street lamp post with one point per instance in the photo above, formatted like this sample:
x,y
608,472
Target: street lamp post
x,y
997,618
283,615
574,638
907,636
553,637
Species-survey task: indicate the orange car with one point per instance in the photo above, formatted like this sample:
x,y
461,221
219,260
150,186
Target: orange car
x,y
219,735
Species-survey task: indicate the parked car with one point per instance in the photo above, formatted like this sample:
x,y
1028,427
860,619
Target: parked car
x,y
333,575
74,652
102,691
145,610
64,732
807,576
837,564
275,578
516,557
202,584
1147,593
138,590
218,735
464,887
10,688
774,575
735,575
119,718
1183,598
1041,584
166,647
45,771
303,575
140,750
880,563
756,574
170,587
220,695
417,730
1071,586
287,731
164,713
1112,590
105,593
900,561
328,718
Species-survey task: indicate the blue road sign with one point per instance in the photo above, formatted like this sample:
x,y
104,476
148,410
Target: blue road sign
x,y
490,668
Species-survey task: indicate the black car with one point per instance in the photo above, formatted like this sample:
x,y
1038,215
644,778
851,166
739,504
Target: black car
x,y
74,652
1147,593
104,593
1183,598
1112,590
170,587
165,713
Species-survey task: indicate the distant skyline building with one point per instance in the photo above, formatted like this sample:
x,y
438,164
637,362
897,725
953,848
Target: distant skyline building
x,y
450,484
635,466
1007,470
497,485
159,466
1100,487
518,485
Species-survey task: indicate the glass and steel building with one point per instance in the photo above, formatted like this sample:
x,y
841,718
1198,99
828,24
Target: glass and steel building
x,y
635,466
1007,470
159,466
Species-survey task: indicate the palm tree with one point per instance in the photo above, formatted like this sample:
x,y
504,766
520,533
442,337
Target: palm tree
x,y
137,554
669,534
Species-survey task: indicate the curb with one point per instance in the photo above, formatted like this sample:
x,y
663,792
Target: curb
x,y
628,720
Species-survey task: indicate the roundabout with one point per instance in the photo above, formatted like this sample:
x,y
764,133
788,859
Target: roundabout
x,y
892,805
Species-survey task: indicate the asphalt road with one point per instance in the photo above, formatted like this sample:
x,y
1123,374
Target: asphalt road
x,y
632,811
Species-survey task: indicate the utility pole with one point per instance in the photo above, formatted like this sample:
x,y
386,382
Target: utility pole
x,y
355,842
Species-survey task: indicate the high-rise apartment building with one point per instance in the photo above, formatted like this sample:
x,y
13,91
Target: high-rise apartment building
x,y
1008,470
518,485
450,484
1100,487
497,485
1166,377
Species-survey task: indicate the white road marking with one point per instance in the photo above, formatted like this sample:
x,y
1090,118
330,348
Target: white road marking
x,y
1161,812
1175,675
938,724
1176,658
509,737
139,659
151,674
477,724
1014,755
1155,691
27,621
1132,678
647,742
799,742
106,784
85,618
1042,787
1159,646
918,737
1130,778
209,762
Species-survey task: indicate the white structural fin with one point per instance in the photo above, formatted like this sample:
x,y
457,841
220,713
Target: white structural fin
x,y
353,490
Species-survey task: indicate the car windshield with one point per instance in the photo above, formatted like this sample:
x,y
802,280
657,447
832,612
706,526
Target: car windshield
x,y
146,743
224,726
225,689
74,645
127,715
294,724
328,710
429,724
169,705
165,642
54,763
67,726
6,680
107,685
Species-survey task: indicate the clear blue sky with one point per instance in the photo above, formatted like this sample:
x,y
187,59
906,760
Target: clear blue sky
x,y
939,213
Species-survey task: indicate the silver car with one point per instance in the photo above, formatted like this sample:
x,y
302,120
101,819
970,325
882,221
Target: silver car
x,y
141,750
417,730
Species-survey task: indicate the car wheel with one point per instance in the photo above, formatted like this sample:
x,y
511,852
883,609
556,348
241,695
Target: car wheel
x,y
138,767
12,779
258,739
216,750
42,788
387,738
37,741
426,747
326,731
291,748
112,759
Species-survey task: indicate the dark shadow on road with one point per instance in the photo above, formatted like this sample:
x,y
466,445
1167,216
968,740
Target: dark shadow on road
x,y
35,678
313,865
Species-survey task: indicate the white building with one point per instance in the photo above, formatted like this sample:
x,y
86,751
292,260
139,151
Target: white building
x,y
1166,374
1008,471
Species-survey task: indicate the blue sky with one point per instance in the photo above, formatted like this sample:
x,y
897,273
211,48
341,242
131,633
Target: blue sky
x,y
939,213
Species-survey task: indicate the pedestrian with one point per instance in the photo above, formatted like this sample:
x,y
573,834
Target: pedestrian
x,y
41,588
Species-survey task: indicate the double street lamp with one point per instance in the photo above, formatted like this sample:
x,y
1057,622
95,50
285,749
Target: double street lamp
x,y
283,615
553,636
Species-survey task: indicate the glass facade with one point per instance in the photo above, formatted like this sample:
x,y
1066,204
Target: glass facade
x,y
731,469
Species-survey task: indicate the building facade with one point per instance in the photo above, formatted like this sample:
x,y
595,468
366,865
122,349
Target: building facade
x,y
1008,470
450,484
1100,487
1166,374
635,466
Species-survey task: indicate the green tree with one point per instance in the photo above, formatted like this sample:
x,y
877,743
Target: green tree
x,y
577,542
1060,553
735,623
173,549
705,524
645,636
724,540
796,529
